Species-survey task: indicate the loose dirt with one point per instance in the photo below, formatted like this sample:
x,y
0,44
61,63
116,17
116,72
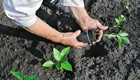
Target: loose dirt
x,y
24,52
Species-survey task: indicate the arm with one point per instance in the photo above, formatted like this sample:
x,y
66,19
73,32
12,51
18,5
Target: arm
x,y
42,29
26,18
86,22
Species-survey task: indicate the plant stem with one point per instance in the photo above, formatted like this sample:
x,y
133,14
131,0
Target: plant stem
x,y
61,69
102,34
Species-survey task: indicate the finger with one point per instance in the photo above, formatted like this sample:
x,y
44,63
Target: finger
x,y
100,36
93,42
78,47
85,45
79,44
100,26
78,32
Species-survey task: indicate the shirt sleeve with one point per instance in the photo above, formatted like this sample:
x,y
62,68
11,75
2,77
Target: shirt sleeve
x,y
75,3
22,12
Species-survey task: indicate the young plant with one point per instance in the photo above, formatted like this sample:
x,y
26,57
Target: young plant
x,y
21,77
127,6
119,20
121,37
61,65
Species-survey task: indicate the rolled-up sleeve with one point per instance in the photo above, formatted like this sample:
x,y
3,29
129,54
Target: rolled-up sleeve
x,y
22,12
75,3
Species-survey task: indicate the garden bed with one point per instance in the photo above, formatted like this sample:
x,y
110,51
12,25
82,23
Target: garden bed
x,y
24,52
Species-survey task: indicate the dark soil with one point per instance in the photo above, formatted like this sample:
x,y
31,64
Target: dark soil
x,y
24,52
92,35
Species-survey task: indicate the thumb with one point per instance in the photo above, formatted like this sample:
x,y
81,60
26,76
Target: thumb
x,y
100,26
78,32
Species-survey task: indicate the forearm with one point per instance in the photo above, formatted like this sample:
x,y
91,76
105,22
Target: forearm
x,y
42,29
80,15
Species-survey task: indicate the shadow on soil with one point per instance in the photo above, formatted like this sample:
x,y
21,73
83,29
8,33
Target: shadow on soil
x,y
95,51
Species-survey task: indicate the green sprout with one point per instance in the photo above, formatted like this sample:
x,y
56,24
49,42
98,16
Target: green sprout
x,y
21,77
127,6
119,20
121,37
61,65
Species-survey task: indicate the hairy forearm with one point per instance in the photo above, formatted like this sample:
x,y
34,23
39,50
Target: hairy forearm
x,y
42,29
80,15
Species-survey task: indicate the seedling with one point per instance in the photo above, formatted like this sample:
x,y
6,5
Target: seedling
x,y
21,77
121,37
127,6
119,20
61,65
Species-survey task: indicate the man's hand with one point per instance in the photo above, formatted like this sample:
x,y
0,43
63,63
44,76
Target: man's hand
x,y
86,22
93,24
70,39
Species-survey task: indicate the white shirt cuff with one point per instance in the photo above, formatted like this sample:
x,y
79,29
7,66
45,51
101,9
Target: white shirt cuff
x,y
75,3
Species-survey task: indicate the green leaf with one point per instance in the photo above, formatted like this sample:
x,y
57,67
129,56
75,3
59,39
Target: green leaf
x,y
24,77
32,77
66,65
48,64
127,0
122,16
131,8
123,34
125,40
117,20
121,20
65,52
56,54
109,37
115,26
120,31
119,41
58,66
17,74
126,7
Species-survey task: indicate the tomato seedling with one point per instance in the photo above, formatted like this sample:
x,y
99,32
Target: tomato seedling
x,y
119,20
61,65
21,77
127,6
121,37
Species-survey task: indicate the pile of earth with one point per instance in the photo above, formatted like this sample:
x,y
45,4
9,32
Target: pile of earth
x,y
24,52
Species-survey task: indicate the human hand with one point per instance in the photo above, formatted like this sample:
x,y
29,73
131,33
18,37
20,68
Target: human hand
x,y
70,39
86,22
93,24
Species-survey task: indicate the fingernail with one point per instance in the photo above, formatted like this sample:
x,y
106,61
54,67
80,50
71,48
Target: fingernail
x,y
79,31
93,42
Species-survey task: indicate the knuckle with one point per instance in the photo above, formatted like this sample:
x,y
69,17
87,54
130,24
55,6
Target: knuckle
x,y
76,45
97,21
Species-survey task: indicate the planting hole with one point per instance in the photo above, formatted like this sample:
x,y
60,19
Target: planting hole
x,y
96,50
